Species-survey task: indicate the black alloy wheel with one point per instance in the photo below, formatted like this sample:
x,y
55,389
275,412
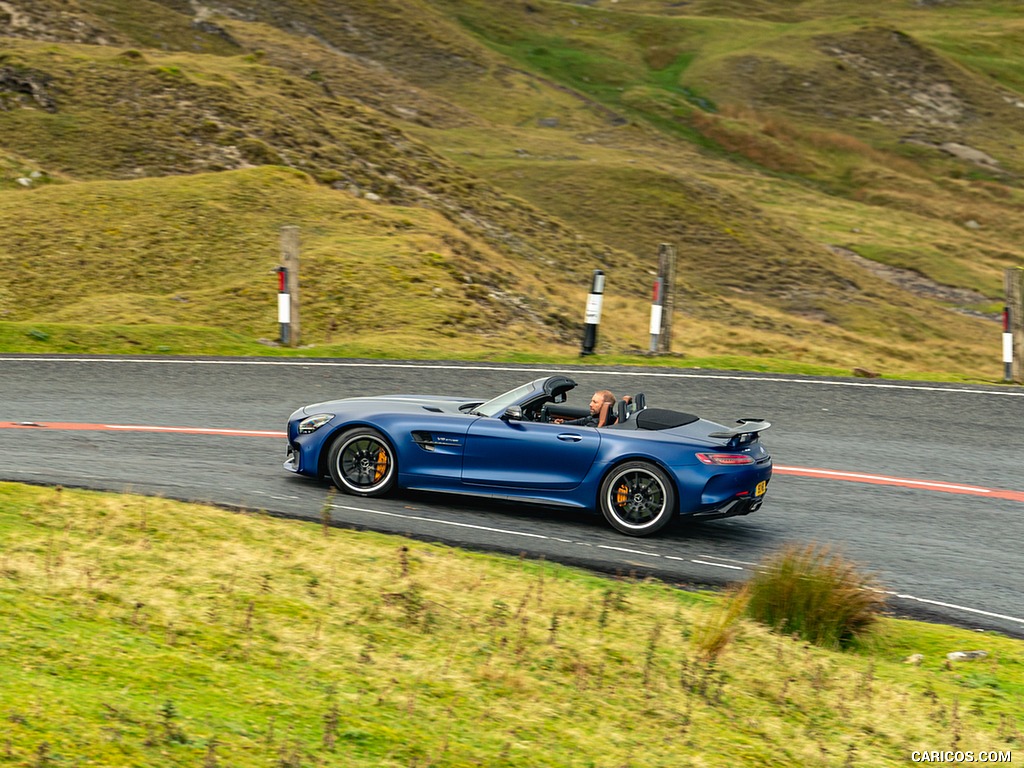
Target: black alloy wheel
x,y
637,498
362,462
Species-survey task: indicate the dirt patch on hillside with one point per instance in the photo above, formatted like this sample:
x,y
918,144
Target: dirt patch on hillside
x,y
22,87
883,77
896,81
918,284
51,21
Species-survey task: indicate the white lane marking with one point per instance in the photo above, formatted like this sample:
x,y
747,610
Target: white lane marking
x,y
628,551
954,606
719,565
732,560
419,518
522,369
445,522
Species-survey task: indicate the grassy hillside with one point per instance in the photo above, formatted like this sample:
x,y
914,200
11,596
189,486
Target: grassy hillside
x,y
125,620
841,180
361,262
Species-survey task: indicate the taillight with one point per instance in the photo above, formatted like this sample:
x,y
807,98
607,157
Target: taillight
x,y
725,458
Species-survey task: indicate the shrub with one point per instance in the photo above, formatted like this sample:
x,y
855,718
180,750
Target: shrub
x,y
816,594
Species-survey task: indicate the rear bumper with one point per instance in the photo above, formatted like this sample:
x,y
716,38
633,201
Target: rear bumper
x,y
731,508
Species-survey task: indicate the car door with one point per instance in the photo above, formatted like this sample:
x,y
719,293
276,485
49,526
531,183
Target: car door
x,y
526,454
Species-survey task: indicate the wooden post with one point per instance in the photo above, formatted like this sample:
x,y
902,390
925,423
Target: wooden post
x,y
290,260
1013,279
667,273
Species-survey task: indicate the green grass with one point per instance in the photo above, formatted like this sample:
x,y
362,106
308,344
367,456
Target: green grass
x,y
146,632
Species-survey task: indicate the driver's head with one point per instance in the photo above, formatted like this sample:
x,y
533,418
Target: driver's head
x,y
600,397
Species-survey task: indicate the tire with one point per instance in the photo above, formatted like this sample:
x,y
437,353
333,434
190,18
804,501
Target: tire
x,y
362,462
637,498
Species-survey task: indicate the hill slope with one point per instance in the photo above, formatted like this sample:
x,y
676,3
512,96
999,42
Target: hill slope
x,y
841,180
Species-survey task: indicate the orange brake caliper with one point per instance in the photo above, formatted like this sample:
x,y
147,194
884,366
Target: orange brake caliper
x,y
621,495
382,465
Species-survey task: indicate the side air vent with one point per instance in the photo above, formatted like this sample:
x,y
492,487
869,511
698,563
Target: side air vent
x,y
432,409
423,440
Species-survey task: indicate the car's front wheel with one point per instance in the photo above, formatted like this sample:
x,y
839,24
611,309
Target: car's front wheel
x,y
362,462
637,498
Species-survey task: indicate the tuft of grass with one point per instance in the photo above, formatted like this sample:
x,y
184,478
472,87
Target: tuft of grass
x,y
716,630
813,592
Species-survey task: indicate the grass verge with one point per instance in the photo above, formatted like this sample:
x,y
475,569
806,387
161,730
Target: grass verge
x,y
74,339
140,631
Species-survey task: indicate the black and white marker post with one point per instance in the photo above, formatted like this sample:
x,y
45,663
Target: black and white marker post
x,y
1007,346
284,305
592,317
1013,325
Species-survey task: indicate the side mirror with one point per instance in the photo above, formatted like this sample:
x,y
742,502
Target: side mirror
x,y
513,413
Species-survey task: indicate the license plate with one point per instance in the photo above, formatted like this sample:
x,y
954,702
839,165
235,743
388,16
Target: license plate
x,y
761,488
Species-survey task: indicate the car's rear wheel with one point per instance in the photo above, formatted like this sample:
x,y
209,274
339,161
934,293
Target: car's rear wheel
x,y
637,498
362,462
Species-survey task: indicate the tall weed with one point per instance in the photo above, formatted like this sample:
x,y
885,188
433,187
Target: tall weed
x,y
814,592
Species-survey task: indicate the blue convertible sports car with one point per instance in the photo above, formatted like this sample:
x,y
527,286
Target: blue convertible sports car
x,y
649,467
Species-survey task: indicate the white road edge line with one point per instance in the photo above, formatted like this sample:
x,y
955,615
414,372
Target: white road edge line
x,y
731,560
548,369
719,565
442,522
628,551
954,606
899,595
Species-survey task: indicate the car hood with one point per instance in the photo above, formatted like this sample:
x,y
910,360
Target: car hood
x,y
435,403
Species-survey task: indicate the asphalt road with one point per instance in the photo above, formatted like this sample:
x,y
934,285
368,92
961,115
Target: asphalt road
x,y
921,506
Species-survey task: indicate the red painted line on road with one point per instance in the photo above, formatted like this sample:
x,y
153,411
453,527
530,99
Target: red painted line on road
x,y
928,485
827,474
67,425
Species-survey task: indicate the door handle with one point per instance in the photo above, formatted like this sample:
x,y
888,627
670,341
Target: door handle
x,y
568,437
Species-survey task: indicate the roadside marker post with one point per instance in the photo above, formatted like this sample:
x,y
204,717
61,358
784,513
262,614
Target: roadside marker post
x,y
284,305
667,277
1013,325
290,263
1007,346
592,316
657,306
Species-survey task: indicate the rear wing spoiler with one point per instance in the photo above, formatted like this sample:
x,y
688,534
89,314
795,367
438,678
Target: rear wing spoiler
x,y
747,432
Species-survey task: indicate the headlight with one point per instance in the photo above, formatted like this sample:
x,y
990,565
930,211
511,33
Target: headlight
x,y
313,423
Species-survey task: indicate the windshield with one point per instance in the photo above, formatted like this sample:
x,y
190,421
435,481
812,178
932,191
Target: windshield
x,y
496,406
